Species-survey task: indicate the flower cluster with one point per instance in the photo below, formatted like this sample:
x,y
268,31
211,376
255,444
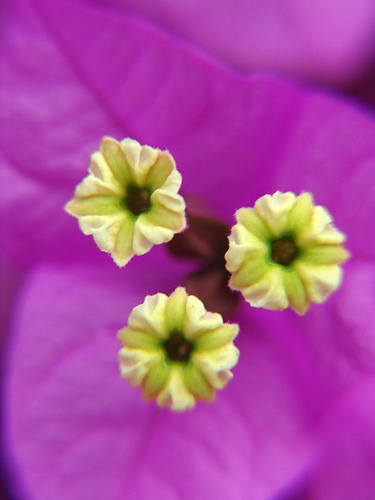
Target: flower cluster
x,y
284,251
73,72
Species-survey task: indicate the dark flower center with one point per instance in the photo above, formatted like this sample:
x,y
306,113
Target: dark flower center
x,y
178,348
206,241
284,251
137,200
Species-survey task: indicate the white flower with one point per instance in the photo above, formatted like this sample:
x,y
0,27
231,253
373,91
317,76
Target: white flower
x,y
285,251
176,350
129,201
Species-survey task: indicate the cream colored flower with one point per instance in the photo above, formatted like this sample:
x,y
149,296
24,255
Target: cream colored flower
x,y
129,200
285,251
176,350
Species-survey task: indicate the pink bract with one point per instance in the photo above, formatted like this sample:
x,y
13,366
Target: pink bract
x,y
73,72
327,40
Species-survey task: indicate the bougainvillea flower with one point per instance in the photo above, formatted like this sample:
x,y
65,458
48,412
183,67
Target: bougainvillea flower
x,y
176,350
129,200
73,428
285,251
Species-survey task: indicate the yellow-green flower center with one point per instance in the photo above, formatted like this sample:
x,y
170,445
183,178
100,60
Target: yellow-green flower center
x,y
284,251
178,349
137,200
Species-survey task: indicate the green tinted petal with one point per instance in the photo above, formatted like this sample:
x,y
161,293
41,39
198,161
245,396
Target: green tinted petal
x,y
175,311
295,291
300,215
251,271
155,380
138,339
163,217
123,245
175,393
210,340
253,223
94,205
325,254
197,384
116,160
159,172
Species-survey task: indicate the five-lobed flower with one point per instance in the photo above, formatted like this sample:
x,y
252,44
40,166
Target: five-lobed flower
x,y
129,201
176,350
285,251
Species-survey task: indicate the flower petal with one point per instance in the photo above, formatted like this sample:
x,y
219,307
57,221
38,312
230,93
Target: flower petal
x,y
115,158
274,211
345,468
319,281
355,308
322,44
